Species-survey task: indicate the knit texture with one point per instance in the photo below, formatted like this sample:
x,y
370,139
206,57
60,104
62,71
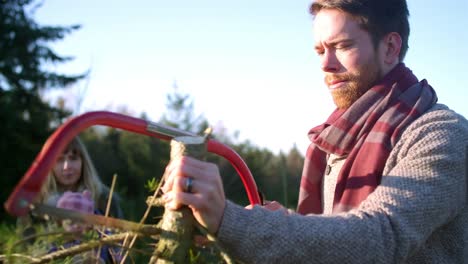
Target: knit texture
x,y
417,214
366,133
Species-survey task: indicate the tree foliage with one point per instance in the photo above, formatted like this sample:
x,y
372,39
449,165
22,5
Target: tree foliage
x,y
25,56
180,113
24,51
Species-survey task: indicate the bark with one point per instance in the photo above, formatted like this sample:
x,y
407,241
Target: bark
x,y
176,237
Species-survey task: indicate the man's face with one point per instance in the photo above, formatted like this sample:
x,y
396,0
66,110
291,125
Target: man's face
x,y
349,59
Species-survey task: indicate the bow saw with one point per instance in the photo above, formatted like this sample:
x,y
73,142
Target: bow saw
x,y
20,201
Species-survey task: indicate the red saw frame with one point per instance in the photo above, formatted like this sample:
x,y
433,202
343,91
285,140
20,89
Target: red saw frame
x,y
30,185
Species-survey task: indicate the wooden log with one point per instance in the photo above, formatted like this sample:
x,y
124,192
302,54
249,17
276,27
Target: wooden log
x,y
177,226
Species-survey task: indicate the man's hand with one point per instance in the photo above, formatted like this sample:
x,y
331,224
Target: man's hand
x,y
206,197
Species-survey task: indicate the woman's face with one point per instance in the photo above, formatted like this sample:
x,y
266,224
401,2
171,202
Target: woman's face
x,y
67,170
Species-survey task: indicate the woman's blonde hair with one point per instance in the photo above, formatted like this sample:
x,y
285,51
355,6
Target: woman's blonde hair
x,y
89,178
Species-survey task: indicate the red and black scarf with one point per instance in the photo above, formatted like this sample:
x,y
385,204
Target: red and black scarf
x,y
365,133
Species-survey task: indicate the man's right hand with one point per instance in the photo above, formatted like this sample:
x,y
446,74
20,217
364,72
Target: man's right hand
x,y
206,197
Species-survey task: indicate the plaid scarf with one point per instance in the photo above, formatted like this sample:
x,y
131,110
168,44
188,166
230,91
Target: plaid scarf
x,y
365,133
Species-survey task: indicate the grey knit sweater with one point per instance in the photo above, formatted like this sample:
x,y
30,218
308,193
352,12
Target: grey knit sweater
x,y
417,214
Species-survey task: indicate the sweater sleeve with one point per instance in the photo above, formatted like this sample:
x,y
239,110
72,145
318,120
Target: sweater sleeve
x,y
423,188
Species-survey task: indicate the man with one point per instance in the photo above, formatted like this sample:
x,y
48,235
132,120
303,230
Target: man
x,y
384,179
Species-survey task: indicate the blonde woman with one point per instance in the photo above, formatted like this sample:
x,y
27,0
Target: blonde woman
x,y
74,172
74,184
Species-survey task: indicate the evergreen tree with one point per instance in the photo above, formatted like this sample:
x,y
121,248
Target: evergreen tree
x,y
26,119
180,113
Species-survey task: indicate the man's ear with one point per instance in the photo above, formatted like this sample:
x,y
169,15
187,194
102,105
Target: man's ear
x,y
391,47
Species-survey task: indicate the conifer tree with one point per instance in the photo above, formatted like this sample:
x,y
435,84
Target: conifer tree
x,y
25,60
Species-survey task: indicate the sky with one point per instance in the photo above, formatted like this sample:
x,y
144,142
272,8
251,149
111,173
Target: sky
x,y
248,65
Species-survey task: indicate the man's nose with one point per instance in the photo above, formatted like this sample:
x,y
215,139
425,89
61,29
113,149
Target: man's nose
x,y
330,62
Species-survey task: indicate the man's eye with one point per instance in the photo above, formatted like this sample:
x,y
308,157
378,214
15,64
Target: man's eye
x,y
343,47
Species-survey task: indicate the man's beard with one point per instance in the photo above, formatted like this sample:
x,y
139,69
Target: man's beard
x,y
357,83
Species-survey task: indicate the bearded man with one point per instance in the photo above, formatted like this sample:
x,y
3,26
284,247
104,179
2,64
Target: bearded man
x,y
384,179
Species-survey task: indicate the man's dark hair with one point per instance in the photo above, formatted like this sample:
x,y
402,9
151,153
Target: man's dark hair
x,y
378,17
